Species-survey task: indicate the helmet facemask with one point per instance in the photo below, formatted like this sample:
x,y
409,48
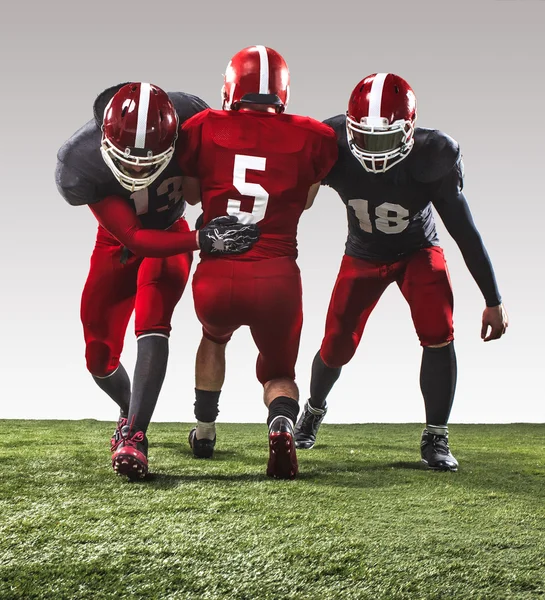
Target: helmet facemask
x,y
123,163
377,144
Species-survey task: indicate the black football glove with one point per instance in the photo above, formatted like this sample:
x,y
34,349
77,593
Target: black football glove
x,y
226,235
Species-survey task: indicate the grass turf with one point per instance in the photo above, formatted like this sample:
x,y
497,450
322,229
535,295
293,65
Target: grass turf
x,y
363,520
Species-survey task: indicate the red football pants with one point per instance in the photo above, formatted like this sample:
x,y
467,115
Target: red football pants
x,y
266,296
150,286
423,280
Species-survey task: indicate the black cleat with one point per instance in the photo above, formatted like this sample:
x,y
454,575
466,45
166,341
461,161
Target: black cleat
x,y
203,448
282,456
307,426
435,452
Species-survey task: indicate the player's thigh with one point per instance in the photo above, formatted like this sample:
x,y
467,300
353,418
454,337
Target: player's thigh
x,y
426,286
216,306
108,296
160,285
276,318
358,288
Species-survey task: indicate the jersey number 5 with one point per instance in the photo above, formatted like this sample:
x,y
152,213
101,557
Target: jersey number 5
x,y
260,195
390,218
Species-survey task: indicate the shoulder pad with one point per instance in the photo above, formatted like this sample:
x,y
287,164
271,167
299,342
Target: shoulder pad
x,y
433,156
186,105
80,166
338,123
310,124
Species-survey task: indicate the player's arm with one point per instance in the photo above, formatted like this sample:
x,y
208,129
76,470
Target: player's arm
x,y
324,157
192,190
454,211
312,194
117,216
222,235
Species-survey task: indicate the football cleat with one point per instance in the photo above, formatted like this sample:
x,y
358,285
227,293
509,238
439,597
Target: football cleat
x,y
307,426
131,455
116,437
435,452
282,456
203,448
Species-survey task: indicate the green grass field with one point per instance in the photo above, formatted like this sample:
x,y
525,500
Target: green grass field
x,y
363,520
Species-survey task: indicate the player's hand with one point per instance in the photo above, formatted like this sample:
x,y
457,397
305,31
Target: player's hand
x,y
495,318
226,235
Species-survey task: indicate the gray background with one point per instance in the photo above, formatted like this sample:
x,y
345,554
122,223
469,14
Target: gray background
x,y
477,70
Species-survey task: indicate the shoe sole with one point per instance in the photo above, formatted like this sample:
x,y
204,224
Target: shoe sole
x,y
452,469
131,463
282,458
303,445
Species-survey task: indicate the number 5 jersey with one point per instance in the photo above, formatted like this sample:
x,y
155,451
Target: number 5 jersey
x,y
258,167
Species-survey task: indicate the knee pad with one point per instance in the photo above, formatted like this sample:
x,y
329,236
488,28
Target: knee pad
x,y
337,351
100,359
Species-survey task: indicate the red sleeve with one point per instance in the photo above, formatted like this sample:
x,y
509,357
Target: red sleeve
x,y
327,152
188,145
116,216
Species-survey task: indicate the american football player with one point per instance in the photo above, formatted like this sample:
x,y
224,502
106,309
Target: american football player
x,y
389,174
253,161
120,165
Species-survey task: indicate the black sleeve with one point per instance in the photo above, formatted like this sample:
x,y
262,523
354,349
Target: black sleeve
x,y
454,211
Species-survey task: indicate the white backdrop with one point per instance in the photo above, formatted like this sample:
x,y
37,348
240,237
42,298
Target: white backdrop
x,y
477,72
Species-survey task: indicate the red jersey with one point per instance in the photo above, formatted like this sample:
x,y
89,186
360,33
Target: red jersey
x,y
258,167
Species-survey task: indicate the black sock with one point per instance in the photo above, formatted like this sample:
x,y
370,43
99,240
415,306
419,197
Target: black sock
x,y
438,383
322,380
149,374
283,406
206,405
118,387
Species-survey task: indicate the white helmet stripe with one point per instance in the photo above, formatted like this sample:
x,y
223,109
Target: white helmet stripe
x,y
263,70
142,123
375,96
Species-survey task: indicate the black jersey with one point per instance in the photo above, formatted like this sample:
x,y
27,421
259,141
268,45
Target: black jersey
x,y
83,177
390,214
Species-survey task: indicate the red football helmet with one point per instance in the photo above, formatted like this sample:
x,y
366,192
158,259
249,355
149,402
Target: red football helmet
x,y
256,75
380,121
139,130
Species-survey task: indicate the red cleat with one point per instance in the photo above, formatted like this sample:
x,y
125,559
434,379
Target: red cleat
x,y
282,456
131,456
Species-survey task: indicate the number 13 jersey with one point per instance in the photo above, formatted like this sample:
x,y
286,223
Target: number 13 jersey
x,y
258,167
83,177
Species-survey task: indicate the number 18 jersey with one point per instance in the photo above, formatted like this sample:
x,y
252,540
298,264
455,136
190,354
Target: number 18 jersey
x,y
390,214
258,167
